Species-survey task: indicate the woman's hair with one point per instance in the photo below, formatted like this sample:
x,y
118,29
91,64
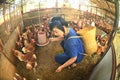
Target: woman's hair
x,y
58,22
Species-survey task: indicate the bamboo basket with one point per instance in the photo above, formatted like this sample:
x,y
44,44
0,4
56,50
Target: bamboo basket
x,y
89,39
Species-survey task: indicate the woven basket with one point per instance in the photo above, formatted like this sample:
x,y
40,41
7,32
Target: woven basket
x,y
89,38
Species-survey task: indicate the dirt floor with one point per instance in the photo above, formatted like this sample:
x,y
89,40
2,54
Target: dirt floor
x,y
47,66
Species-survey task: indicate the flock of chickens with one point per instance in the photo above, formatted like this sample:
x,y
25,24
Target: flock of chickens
x,y
102,39
26,44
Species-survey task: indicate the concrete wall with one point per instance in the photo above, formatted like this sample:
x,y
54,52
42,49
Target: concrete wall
x,y
7,65
7,69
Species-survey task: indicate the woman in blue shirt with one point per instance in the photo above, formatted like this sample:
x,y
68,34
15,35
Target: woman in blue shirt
x,y
73,47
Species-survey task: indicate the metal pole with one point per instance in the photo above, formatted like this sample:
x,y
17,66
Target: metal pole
x,y
116,21
119,15
96,13
56,6
39,12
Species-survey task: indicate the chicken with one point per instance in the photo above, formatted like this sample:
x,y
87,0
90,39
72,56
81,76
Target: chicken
x,y
25,38
99,38
29,33
19,45
104,41
101,49
29,47
18,54
18,77
102,44
29,58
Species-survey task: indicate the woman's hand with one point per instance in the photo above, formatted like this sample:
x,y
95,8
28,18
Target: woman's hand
x,y
51,39
56,39
67,63
59,69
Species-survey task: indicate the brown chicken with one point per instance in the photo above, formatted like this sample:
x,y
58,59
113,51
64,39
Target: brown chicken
x,y
29,58
19,45
101,49
102,44
29,47
18,77
18,54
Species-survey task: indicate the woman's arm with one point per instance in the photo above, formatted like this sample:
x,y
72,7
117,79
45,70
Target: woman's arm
x,y
56,39
67,63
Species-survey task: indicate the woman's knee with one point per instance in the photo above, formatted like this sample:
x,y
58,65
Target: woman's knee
x,y
61,59
58,59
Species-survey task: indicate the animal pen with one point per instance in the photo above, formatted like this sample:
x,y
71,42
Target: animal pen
x,y
39,52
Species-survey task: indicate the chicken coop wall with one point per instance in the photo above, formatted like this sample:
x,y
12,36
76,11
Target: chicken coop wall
x,y
9,30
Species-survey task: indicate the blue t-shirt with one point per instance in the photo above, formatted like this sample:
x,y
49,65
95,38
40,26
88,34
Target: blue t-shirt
x,y
74,46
